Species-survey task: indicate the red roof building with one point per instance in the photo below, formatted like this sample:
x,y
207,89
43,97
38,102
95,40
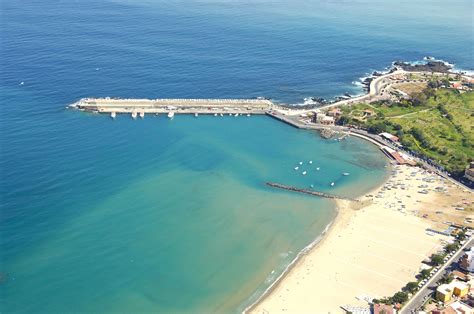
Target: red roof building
x,y
383,309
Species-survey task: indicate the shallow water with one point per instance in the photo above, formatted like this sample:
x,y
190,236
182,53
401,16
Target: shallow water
x,y
167,216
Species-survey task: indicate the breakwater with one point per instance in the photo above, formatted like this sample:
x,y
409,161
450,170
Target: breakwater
x,y
310,192
184,106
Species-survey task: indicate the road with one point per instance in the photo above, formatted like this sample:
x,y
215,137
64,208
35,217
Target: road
x,y
375,93
415,303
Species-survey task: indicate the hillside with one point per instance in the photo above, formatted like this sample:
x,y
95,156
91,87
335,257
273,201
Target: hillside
x,y
437,123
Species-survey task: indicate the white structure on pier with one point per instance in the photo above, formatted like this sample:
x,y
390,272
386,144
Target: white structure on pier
x,y
108,105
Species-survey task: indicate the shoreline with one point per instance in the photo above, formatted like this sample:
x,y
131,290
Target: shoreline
x,y
343,210
300,256
319,251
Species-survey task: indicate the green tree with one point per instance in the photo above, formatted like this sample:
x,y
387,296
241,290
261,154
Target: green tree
x,y
343,120
461,236
419,99
436,259
377,127
419,136
451,247
425,273
411,286
446,279
400,134
400,297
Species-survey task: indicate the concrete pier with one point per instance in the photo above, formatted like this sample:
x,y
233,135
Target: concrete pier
x,y
183,106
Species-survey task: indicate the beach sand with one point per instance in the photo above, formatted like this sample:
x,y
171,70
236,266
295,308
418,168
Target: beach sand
x,y
372,251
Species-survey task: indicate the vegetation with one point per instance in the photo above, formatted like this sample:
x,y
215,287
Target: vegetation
x,y
437,259
446,279
400,297
424,274
411,287
461,236
451,247
436,123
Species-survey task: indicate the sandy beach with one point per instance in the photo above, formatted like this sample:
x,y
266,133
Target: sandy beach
x,y
371,250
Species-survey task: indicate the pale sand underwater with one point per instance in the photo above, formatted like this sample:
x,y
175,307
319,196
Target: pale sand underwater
x,y
368,253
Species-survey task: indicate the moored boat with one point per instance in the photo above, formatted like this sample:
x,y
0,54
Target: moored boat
x,y
113,115
171,114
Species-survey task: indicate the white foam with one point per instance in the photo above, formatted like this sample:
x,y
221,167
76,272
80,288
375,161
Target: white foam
x,y
304,251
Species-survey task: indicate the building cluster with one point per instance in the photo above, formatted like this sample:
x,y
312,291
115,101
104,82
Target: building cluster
x,y
462,85
390,137
399,156
374,308
448,291
456,296
316,116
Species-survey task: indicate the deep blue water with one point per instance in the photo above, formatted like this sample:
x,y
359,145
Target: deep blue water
x,y
173,216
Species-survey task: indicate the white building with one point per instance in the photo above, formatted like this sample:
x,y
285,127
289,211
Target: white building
x,y
467,261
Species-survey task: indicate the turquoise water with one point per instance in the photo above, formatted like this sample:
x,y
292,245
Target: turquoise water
x,y
174,216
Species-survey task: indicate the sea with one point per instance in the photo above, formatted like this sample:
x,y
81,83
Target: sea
x,y
173,216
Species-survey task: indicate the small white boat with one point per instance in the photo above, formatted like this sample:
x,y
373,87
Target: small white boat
x,y
310,162
113,115
171,114
248,114
300,162
196,115
215,115
317,169
311,186
22,83
296,168
345,173
142,114
236,115
222,115
230,114
332,183
134,114
304,173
